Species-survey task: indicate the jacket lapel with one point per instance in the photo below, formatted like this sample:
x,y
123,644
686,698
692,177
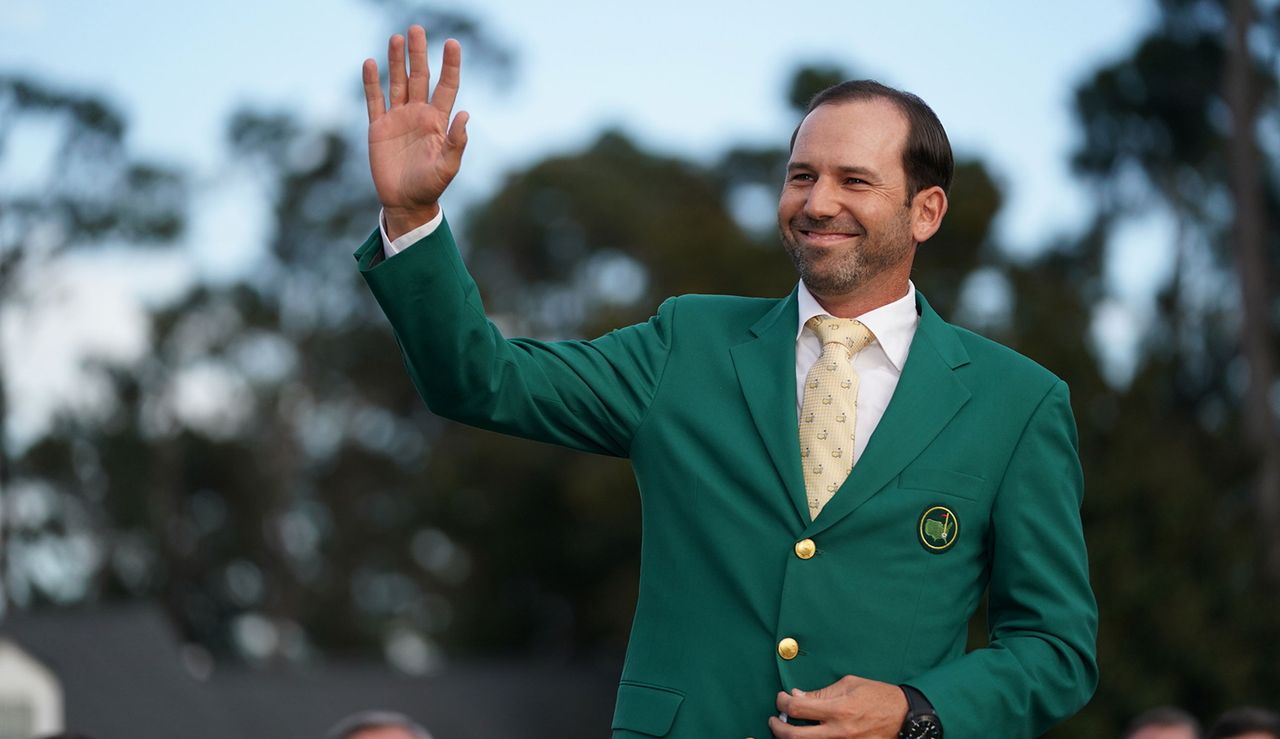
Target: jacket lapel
x,y
927,397
766,367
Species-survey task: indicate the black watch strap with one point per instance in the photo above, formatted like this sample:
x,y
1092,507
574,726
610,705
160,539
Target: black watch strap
x,y
922,721
916,702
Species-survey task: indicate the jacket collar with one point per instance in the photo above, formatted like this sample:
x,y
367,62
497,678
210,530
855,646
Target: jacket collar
x,y
928,395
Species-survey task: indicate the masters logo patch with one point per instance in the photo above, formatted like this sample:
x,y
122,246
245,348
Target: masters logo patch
x,y
939,528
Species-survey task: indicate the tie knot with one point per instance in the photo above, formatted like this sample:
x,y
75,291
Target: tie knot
x,y
853,335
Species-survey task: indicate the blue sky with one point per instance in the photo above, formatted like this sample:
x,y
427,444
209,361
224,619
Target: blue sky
x,y
686,77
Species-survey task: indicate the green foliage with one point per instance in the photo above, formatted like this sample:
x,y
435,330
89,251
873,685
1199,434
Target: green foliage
x,y
660,223
95,192
964,243
1188,614
811,80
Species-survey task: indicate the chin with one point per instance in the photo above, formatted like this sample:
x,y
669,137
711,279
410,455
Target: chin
x,y
827,283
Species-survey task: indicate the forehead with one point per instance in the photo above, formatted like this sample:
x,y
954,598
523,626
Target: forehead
x,y
1164,732
863,133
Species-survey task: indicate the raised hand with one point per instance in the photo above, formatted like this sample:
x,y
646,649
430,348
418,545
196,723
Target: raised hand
x,y
414,151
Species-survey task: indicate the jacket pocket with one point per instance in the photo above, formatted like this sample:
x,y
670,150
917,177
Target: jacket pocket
x,y
646,709
938,480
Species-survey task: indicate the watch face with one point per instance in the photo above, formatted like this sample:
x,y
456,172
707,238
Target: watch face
x,y
921,727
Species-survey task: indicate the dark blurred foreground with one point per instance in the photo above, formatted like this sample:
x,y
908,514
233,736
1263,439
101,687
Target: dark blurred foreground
x,y
122,673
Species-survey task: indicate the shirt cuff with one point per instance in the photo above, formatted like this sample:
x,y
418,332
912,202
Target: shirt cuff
x,y
391,248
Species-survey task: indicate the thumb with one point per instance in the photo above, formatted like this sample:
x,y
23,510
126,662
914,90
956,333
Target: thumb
x,y
457,137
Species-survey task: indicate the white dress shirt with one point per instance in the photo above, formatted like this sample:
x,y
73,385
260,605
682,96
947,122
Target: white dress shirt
x,y
879,366
391,248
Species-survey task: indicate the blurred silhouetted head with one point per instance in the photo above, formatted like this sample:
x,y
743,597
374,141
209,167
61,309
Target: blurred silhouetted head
x,y
377,725
1247,722
1165,722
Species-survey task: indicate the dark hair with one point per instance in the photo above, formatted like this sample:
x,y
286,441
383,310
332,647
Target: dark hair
x,y
926,157
1244,720
1162,716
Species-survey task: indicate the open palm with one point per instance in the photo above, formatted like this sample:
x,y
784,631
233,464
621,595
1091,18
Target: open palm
x,y
414,152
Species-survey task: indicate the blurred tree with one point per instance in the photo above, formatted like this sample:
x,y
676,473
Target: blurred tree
x,y
1181,516
812,79
261,466
94,192
487,55
1249,85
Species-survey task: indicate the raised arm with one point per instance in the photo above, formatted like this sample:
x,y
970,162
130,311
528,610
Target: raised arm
x,y
589,395
414,149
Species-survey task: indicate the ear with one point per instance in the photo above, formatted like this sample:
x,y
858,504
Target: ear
x,y
927,209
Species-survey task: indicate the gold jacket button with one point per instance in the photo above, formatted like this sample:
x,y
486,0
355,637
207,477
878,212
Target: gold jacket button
x,y
788,648
805,548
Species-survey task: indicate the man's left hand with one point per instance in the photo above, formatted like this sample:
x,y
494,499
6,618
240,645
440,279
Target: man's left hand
x,y
851,708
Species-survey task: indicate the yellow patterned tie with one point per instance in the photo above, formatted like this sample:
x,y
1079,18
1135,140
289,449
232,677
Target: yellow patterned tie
x,y
829,408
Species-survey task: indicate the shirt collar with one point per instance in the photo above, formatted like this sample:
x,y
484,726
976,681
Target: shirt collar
x,y
893,324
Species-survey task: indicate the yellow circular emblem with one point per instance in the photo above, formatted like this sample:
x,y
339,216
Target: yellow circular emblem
x,y
939,528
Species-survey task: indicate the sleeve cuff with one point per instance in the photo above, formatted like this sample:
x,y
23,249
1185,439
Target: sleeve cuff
x,y
391,248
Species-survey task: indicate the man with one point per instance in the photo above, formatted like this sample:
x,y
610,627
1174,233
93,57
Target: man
x,y
377,725
1246,722
825,499
1165,722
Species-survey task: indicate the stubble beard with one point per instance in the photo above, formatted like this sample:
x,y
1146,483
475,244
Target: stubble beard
x,y
845,272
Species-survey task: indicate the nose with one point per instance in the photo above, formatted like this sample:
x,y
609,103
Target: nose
x,y
822,201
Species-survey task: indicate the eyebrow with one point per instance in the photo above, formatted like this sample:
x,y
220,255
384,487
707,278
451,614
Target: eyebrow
x,y
844,169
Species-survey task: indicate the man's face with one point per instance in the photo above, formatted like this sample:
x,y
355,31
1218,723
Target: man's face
x,y
1165,732
843,214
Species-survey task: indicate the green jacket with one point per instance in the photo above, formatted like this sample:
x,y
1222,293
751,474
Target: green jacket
x,y
701,398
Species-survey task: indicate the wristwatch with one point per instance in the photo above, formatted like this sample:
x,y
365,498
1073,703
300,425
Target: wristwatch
x,y
921,722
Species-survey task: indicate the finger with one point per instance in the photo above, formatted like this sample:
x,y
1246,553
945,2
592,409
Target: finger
x,y
456,140
779,729
395,61
806,707
373,90
419,73
458,130
784,699
450,76
789,731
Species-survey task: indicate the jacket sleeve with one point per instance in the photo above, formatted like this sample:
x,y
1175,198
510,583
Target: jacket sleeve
x,y
587,395
1040,666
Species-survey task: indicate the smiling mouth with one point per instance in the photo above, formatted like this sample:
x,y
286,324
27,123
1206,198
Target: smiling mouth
x,y
826,237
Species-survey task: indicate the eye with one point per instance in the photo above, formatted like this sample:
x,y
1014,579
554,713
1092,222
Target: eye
x,y
801,177
854,181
